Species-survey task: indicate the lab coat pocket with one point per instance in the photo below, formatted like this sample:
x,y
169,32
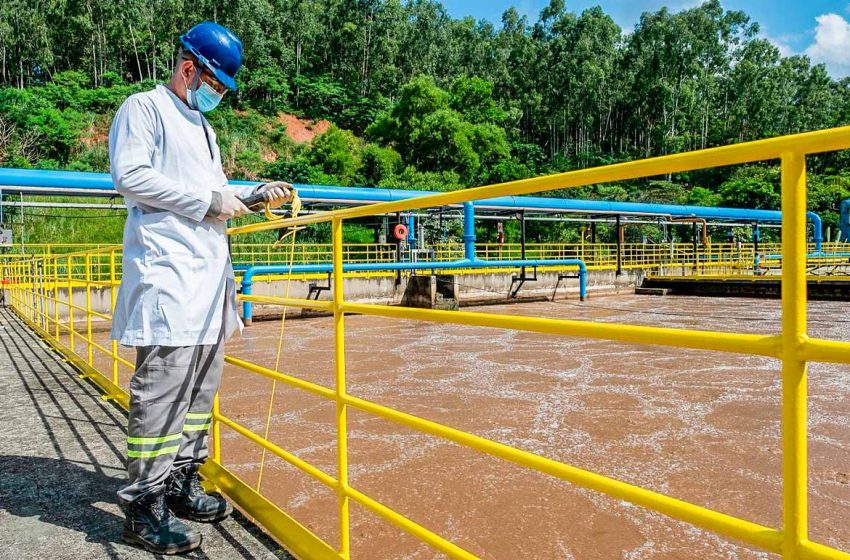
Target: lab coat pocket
x,y
163,234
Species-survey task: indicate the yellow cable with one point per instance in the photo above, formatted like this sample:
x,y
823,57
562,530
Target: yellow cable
x,y
295,208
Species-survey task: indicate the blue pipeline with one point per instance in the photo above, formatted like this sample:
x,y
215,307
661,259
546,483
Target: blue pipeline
x,y
54,181
411,230
469,231
818,227
251,271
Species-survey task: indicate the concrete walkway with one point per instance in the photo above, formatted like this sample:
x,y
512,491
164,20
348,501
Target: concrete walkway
x,y
62,459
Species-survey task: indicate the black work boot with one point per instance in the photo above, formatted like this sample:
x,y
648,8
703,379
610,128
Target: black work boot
x,y
187,498
149,523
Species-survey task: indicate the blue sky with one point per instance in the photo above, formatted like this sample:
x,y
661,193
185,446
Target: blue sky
x,y
818,28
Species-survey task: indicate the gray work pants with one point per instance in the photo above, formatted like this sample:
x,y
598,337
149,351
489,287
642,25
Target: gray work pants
x,y
171,397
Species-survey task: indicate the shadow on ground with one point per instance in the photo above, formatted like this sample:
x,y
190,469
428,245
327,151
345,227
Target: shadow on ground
x,y
57,494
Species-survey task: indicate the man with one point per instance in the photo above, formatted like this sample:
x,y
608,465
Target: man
x,y
177,300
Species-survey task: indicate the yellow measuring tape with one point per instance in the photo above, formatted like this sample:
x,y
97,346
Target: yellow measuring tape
x,y
294,210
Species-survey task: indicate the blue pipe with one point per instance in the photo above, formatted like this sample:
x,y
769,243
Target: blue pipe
x,y
411,230
251,271
818,226
53,182
469,231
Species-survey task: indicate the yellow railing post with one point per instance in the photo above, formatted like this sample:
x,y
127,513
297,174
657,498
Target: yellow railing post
x,y
88,311
794,476
216,429
112,297
56,294
70,303
341,407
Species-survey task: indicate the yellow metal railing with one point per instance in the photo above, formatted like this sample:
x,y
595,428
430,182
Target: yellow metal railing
x,y
41,287
715,259
311,253
31,249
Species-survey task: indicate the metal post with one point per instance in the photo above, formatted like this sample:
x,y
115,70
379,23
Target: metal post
x,y
56,294
522,239
39,279
619,247
70,303
88,311
582,235
794,474
216,429
756,239
31,292
399,244
341,407
696,248
593,243
112,299
23,223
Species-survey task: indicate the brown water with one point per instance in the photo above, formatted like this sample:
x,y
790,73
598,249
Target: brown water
x,y
700,426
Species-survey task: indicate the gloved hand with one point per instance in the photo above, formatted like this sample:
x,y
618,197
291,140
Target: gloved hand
x,y
277,193
230,206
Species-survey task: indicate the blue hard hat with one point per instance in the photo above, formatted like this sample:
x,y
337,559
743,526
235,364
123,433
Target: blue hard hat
x,y
217,48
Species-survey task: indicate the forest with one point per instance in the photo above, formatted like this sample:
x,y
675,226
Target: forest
x,y
421,100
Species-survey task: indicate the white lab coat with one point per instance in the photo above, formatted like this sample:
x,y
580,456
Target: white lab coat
x,y
177,286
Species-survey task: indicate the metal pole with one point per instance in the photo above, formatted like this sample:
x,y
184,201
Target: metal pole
x,y
794,473
593,242
756,239
696,248
216,429
71,302
56,293
341,407
522,239
23,225
619,247
112,298
42,295
90,353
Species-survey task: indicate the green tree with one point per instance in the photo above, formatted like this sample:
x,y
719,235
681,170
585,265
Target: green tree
x,y
337,153
379,164
752,187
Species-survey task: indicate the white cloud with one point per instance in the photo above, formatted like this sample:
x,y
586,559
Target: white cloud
x,y
785,49
832,44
